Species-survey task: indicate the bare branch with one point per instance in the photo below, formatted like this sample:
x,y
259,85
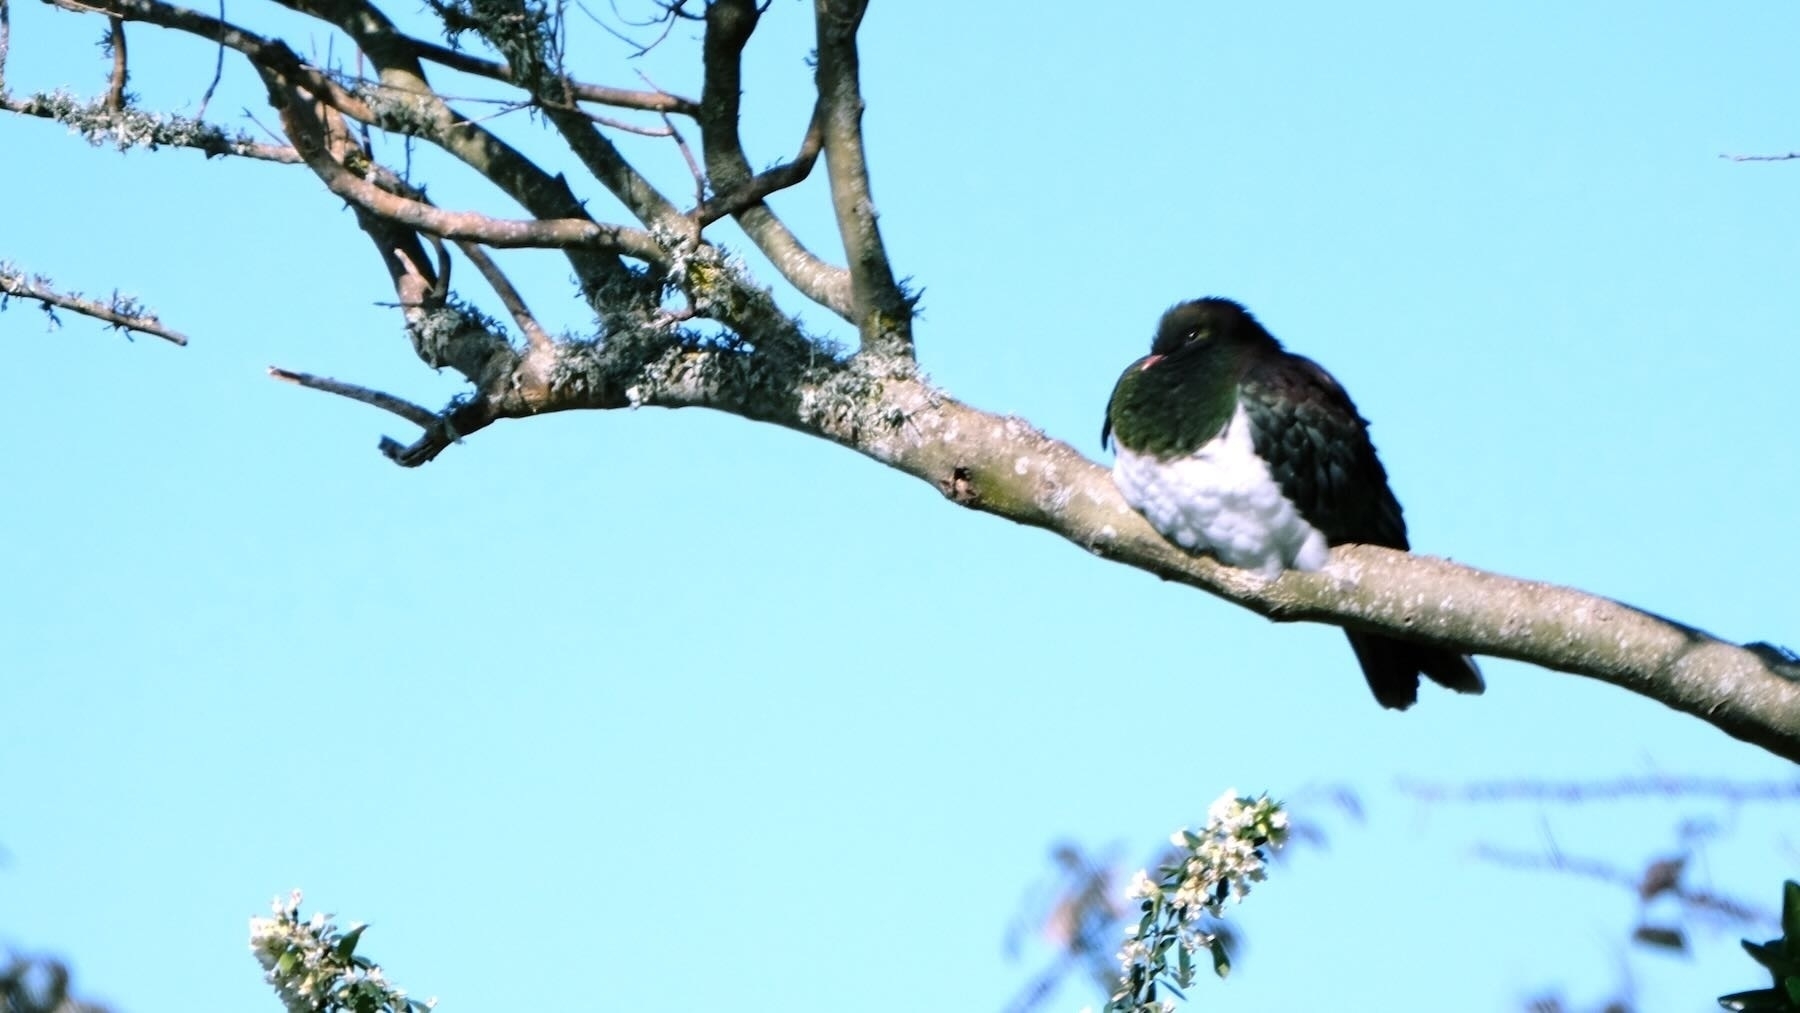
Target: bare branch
x,y
621,98
671,14
115,92
396,57
308,135
509,296
1787,157
218,72
120,311
419,416
881,311
687,155
135,128
729,24
769,181
1002,466
617,124
644,201
1721,906
1578,792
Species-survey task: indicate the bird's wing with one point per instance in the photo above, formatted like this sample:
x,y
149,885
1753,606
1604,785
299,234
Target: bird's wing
x,y
1317,447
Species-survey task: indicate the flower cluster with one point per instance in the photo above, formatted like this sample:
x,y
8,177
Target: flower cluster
x,y
315,969
1204,871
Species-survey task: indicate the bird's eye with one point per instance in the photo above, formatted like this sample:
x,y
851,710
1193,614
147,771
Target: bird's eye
x,y
1200,334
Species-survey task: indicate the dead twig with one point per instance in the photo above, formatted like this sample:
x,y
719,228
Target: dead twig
x,y
1787,157
418,415
218,71
1577,792
120,312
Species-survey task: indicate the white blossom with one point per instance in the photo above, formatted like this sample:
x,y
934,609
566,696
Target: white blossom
x,y
1216,864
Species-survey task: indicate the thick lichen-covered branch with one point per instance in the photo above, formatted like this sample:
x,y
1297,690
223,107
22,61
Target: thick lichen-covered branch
x,y
1003,466
130,127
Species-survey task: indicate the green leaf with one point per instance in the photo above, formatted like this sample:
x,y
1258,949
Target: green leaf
x,y
285,966
1221,959
1762,1000
1184,966
1790,916
347,945
1770,956
1793,991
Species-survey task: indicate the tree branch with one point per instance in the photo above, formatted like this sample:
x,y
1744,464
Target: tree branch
x,y
881,311
115,92
1717,905
418,415
1578,792
1783,157
132,127
307,133
621,98
1001,465
754,190
422,113
119,311
509,296
729,24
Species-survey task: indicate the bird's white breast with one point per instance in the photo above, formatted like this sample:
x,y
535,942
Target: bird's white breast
x,y
1222,499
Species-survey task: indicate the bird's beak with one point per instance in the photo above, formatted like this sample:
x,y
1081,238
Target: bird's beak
x,y
1151,361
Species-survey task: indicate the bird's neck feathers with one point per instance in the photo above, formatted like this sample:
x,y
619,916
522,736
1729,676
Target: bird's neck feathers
x,y
1171,405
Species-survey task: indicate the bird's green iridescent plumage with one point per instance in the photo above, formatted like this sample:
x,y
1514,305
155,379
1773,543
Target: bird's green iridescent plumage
x,y
1170,404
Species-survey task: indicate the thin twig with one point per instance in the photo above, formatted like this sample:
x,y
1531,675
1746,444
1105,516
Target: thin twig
x,y
418,415
115,92
119,313
633,128
1593,868
624,98
1576,792
673,12
764,183
218,71
1788,157
308,135
509,296
687,155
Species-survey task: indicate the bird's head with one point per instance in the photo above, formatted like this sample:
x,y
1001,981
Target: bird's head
x,y
1205,323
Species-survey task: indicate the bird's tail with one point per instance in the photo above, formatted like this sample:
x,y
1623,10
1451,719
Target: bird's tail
x,y
1393,668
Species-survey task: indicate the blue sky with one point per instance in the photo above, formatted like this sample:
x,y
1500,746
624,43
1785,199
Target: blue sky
x,y
605,710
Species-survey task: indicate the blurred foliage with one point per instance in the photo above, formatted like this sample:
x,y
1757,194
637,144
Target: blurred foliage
x,y
1781,958
39,985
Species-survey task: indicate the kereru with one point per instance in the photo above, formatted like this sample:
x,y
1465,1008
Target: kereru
x,y
1230,445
